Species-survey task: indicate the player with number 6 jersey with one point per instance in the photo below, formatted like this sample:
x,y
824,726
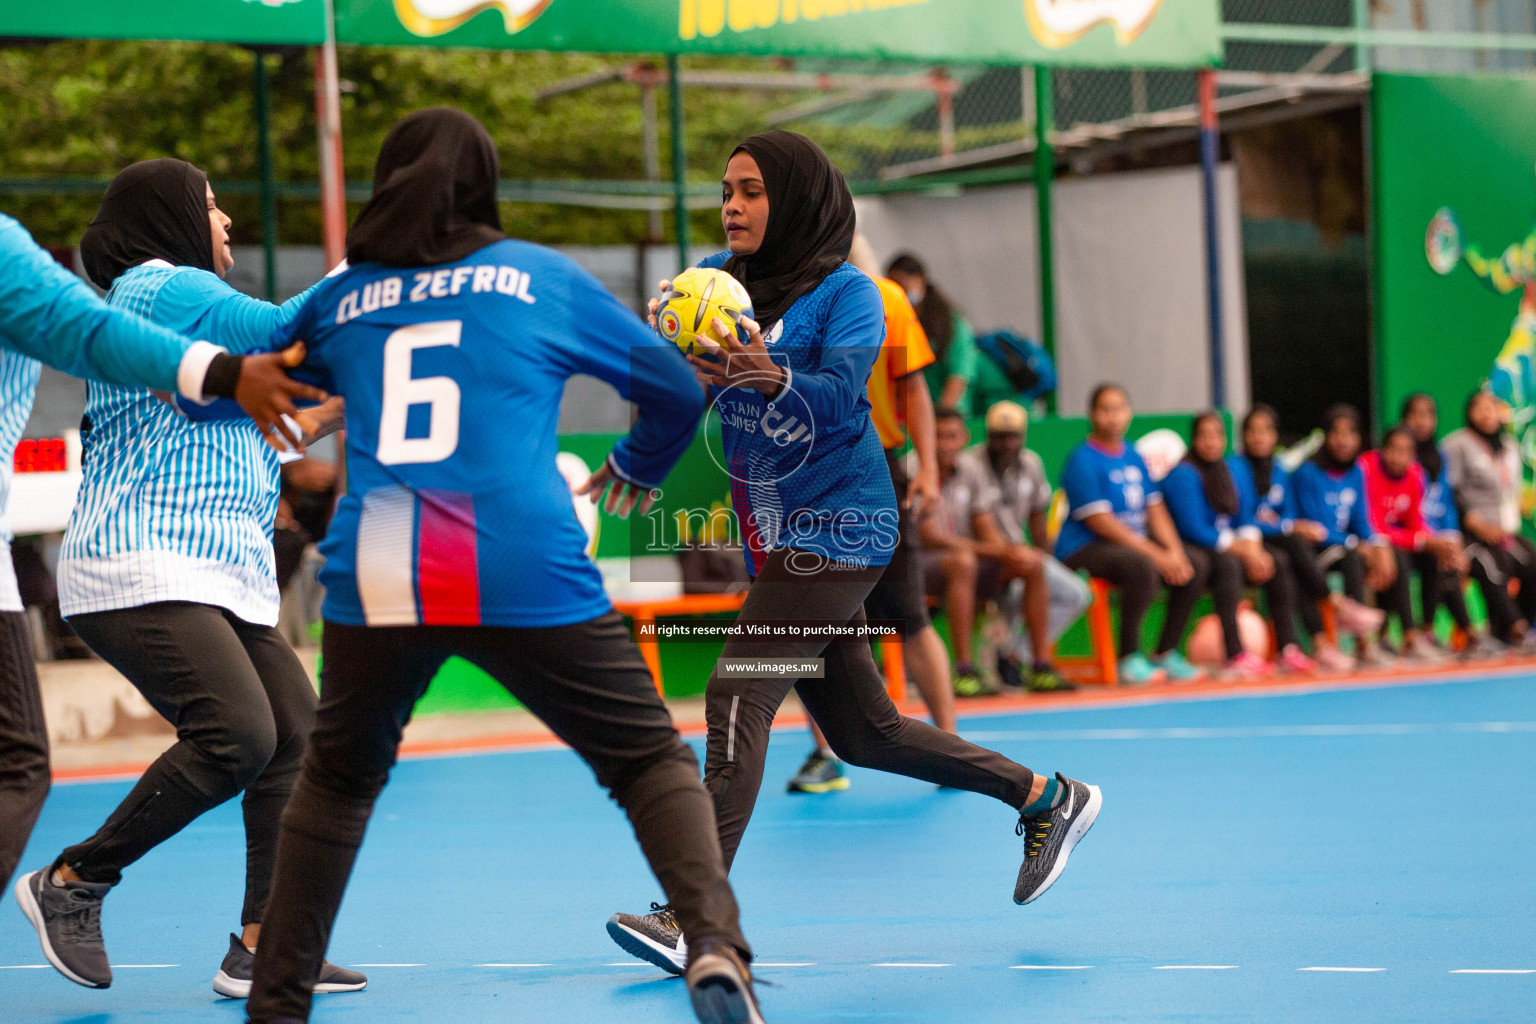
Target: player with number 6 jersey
x,y
452,344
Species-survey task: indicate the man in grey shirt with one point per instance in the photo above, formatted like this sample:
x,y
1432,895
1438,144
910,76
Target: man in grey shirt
x,y
970,556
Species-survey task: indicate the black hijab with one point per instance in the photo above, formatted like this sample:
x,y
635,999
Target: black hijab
x,y
810,224
153,210
1496,438
1332,415
1215,476
1262,467
1428,450
434,193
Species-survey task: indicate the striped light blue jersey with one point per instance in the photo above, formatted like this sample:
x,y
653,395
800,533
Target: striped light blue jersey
x,y
171,510
18,386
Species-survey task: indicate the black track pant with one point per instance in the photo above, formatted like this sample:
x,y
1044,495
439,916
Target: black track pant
x,y
587,682
1439,586
1398,598
859,721
1138,581
1299,558
23,742
1347,563
242,706
1493,567
1227,579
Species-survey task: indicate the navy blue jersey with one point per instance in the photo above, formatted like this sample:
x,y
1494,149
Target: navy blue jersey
x,y
1197,522
1096,480
807,469
1336,500
455,513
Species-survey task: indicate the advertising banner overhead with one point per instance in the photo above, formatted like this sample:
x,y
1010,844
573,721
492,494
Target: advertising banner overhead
x,y
290,22
1096,33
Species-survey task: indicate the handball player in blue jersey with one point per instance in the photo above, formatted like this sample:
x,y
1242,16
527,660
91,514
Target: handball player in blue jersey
x,y
48,315
451,344
817,513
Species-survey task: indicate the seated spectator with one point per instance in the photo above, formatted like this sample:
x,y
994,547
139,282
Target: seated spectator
x,y
968,559
1118,530
1483,467
1023,503
1330,490
1394,488
1204,502
1421,416
958,369
1269,502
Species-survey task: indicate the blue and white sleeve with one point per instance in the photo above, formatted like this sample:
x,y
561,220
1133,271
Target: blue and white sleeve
x,y
1188,507
1084,488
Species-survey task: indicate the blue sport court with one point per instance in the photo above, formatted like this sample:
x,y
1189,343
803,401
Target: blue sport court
x,y
1359,854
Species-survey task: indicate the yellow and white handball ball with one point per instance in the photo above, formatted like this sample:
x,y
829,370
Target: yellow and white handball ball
x,y
696,297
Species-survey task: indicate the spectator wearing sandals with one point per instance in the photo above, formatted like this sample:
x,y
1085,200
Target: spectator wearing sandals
x,y
1330,490
1268,500
1022,511
1484,470
1421,416
1203,499
1119,530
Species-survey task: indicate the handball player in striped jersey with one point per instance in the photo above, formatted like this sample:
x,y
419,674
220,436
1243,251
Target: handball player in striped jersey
x,y
167,572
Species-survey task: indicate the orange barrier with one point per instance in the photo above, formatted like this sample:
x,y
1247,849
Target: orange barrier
x,y
645,613
1102,665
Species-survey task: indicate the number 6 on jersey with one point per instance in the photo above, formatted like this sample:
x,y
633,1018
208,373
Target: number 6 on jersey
x,y
401,391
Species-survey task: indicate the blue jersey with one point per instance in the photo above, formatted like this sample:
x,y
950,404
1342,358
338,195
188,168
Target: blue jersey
x,y
51,315
1274,510
1097,480
807,469
1197,522
1439,505
18,387
171,510
455,512
1336,500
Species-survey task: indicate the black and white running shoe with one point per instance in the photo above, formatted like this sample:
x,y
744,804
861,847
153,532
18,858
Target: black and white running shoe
x,y
1050,837
720,986
68,922
234,977
654,937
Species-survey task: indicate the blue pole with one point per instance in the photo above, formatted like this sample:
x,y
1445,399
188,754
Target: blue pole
x,y
1210,153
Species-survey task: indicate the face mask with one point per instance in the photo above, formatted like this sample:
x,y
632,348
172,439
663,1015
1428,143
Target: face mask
x,y
915,295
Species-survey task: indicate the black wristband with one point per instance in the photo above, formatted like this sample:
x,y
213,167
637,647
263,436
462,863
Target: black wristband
x,y
222,376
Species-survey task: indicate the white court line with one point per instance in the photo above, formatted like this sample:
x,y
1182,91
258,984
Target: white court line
x,y
1196,967
514,965
389,965
1489,970
1246,731
910,965
631,963
1051,967
1345,970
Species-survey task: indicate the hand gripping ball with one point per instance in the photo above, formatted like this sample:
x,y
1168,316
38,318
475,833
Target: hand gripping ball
x,y
697,296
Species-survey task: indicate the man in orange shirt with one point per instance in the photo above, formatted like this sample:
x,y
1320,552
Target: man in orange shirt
x,y
898,398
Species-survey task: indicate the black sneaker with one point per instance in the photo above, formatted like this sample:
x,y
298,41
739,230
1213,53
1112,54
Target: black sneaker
x,y
720,986
1050,837
653,937
820,773
1009,675
234,977
68,922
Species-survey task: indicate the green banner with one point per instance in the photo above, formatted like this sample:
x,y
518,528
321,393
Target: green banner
x,y
223,21
1098,33
1455,248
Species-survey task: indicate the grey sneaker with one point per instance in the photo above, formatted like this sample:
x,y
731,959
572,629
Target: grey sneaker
x,y
720,986
1483,648
68,922
654,937
1423,651
1050,837
234,977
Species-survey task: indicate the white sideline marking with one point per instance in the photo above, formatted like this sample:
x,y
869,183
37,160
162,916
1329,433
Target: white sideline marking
x,y
1051,967
1196,967
759,963
910,965
631,963
1345,970
1489,970
389,965
1245,731
514,965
